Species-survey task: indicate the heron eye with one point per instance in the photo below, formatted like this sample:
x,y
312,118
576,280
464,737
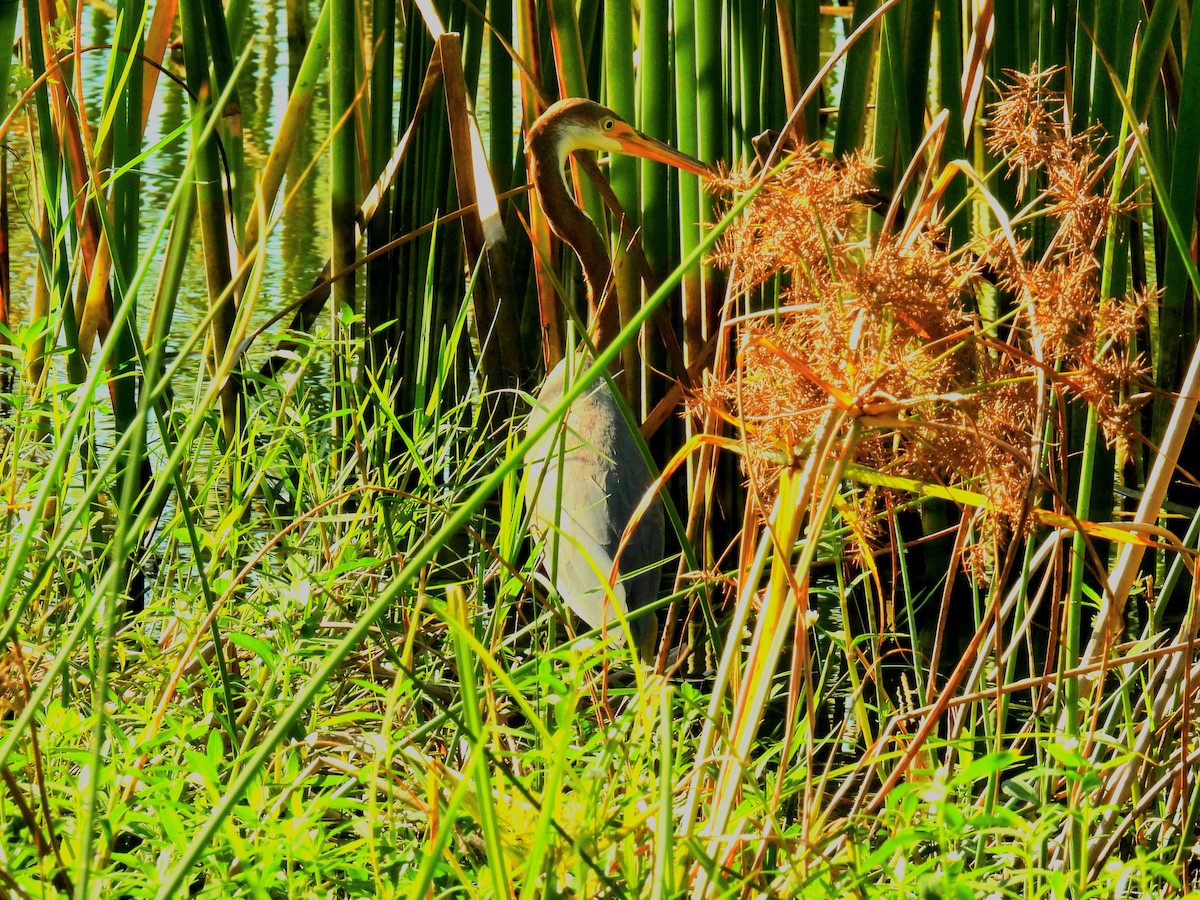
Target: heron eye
x,y
608,124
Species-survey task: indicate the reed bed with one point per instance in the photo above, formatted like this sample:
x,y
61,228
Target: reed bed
x,y
919,365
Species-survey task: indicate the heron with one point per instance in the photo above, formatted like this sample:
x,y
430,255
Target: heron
x,y
592,473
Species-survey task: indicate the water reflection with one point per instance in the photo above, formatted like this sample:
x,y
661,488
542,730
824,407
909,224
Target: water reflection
x,y
296,248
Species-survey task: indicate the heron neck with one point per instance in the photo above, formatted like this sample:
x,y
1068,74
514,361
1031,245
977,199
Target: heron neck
x,y
575,227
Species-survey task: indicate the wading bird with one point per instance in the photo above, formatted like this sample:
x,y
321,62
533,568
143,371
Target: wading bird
x,y
591,474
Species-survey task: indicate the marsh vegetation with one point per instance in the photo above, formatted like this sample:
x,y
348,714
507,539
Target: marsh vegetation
x,y
917,363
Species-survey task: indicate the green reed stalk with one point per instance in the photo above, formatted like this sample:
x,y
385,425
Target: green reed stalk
x,y
343,199
53,277
1153,46
1117,26
1088,500
378,304
654,87
688,130
712,82
499,123
1011,46
211,209
893,114
744,57
10,11
654,117
122,227
223,57
1173,337
620,90
807,30
572,65
949,71
127,133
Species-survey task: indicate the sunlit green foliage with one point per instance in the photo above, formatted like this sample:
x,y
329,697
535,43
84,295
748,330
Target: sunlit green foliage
x,y
271,619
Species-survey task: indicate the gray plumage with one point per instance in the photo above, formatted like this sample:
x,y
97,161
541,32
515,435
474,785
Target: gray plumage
x,y
603,480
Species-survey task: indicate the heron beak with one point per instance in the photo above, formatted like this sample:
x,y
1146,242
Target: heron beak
x,y
637,144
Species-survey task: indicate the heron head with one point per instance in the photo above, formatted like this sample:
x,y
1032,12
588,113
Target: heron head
x,y
577,124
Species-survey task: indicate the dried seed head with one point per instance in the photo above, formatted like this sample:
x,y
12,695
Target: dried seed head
x,y
885,330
